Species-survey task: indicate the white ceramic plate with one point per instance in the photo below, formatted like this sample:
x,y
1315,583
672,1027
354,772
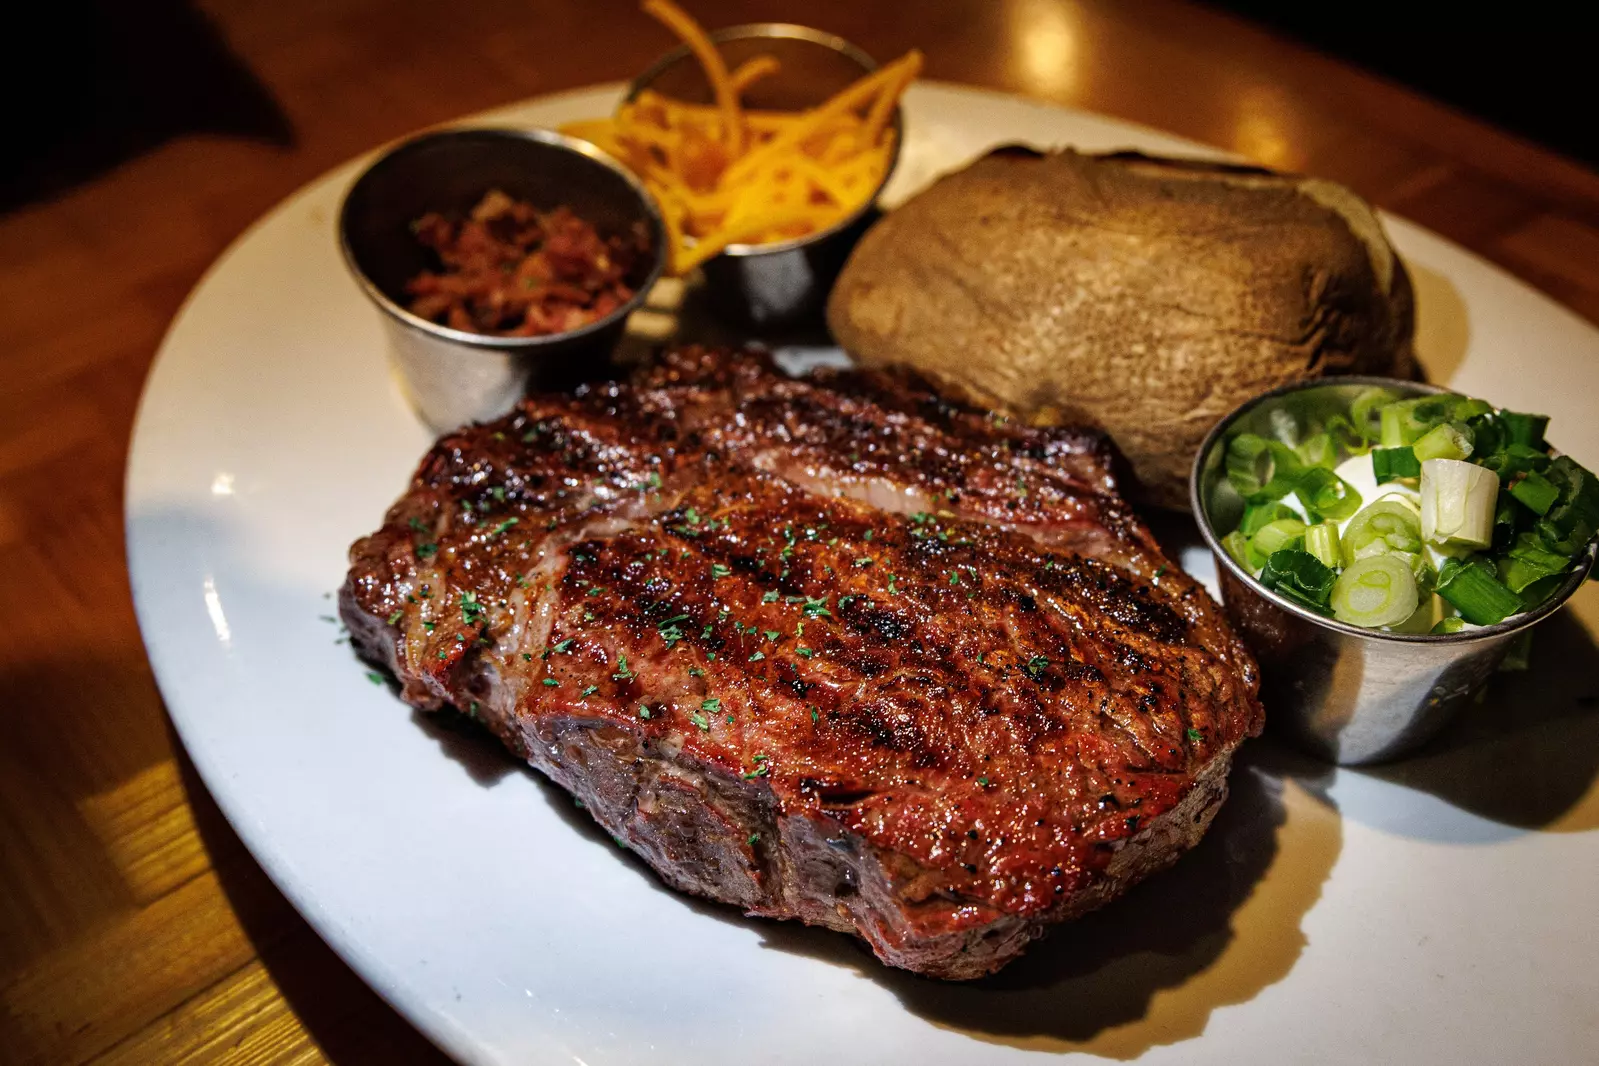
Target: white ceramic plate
x,y
1440,911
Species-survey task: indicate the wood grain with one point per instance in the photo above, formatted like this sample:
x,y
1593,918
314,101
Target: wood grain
x,y
133,926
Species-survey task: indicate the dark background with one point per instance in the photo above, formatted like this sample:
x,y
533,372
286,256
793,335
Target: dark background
x,y
1521,69
108,79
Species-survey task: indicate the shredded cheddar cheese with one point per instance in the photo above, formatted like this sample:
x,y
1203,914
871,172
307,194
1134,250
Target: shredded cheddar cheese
x,y
724,175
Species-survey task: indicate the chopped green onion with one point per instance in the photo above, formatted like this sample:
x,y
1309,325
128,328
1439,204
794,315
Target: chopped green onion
x,y
1275,536
1365,411
1452,440
1321,540
1344,434
1527,562
1391,464
1378,590
1422,570
1537,492
1467,408
1300,577
1571,523
1406,421
1515,459
1389,525
1258,516
1261,469
1318,450
1237,546
1524,429
1445,626
1326,494
1540,590
1476,593
1457,503
1487,440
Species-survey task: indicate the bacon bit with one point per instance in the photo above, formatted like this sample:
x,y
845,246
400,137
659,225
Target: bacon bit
x,y
513,271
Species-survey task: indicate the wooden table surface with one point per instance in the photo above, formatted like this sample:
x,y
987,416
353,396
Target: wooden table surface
x,y
133,925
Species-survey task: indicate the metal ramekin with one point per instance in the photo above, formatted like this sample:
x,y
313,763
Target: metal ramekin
x,y
451,376
1349,694
778,284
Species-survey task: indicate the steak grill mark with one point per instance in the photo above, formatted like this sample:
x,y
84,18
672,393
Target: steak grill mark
x,y
746,618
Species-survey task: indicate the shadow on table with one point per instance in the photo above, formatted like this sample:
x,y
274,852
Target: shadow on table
x,y
115,80
1527,754
350,1023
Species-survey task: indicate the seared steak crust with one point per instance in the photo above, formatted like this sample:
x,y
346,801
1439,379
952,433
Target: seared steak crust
x,y
830,648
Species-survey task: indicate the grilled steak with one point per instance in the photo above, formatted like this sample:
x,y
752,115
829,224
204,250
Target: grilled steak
x,y
830,648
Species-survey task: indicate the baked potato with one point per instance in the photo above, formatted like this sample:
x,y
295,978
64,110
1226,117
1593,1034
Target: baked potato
x,y
1146,296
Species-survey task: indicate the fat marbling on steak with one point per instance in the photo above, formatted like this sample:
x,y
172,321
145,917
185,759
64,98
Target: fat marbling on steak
x,y
829,648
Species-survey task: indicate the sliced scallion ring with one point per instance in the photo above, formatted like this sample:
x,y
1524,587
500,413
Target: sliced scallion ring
x,y
1378,590
1389,525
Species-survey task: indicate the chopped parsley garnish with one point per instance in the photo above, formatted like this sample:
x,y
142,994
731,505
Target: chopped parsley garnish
x,y
394,619
443,654
757,657
416,524
893,588
1161,570
1195,735
426,551
867,535
815,715
700,720
718,570
770,597
983,782
561,648
527,656
695,671
374,677
863,562
1036,666
713,705
430,626
622,672
503,526
815,608
804,651
550,681
954,578
644,711
471,609
770,634
590,690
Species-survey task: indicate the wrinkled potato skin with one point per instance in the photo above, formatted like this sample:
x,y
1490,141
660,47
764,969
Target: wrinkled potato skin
x,y
1147,297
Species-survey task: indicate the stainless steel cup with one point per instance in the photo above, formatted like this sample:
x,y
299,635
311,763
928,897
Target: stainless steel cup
x,y
780,284
451,376
1349,694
